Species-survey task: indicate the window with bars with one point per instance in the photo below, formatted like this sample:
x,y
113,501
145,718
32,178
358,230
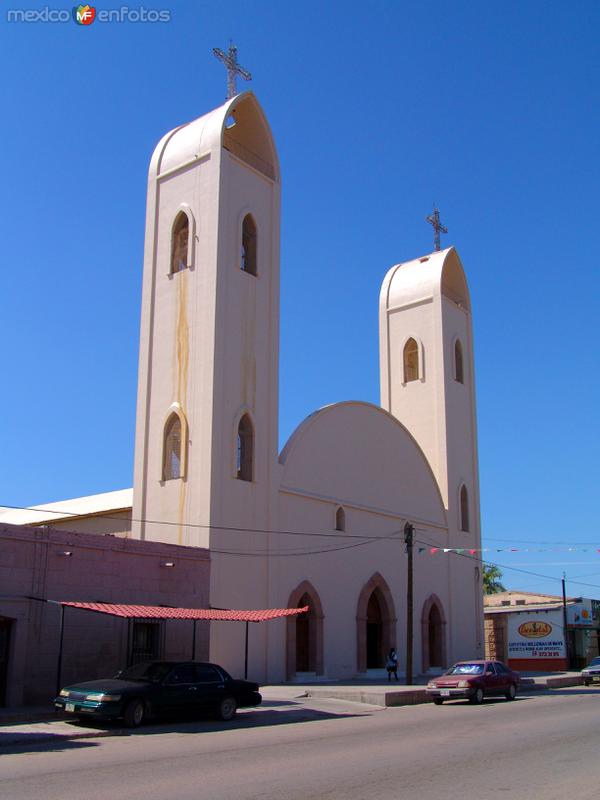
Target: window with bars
x,y
145,642
245,449
459,374
411,361
249,242
180,242
172,449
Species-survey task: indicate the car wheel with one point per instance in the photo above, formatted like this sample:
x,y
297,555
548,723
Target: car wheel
x,y
586,683
134,714
477,697
438,701
512,692
227,708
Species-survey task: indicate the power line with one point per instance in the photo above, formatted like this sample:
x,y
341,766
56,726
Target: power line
x,y
506,567
364,540
222,528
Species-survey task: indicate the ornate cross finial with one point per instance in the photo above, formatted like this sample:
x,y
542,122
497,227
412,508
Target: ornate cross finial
x,y
434,219
233,68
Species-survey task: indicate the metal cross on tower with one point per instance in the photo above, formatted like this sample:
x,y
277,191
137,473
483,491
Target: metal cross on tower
x,y
434,219
233,68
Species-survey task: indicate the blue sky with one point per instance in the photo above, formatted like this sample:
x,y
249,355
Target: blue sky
x,y
378,110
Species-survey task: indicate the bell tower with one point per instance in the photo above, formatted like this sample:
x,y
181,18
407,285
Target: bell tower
x,y
207,413
428,383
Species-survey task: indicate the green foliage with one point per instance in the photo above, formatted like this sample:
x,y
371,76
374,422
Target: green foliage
x,y
491,579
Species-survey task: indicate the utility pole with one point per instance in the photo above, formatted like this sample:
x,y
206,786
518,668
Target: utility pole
x,y
409,532
566,632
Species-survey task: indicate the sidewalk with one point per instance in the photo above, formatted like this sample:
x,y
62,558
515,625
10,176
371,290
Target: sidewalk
x,y
386,694
40,724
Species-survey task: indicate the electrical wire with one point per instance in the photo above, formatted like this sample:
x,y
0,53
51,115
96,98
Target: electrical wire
x,y
364,540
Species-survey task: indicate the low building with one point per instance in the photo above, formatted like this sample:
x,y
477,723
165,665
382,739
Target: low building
x,y
526,630
38,565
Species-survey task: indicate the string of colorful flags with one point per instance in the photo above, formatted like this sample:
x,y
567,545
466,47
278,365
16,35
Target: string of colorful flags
x,y
474,550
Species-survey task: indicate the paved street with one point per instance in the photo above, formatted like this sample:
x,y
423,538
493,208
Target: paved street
x,y
543,746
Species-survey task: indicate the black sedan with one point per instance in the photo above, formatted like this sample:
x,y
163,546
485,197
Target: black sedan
x,y
159,687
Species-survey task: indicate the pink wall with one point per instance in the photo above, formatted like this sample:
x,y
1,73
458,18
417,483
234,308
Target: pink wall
x,y
101,568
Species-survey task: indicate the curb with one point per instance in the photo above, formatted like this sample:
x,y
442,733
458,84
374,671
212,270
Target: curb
x,y
419,696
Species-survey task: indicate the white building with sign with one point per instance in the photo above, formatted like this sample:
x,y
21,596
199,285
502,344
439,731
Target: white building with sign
x,y
528,631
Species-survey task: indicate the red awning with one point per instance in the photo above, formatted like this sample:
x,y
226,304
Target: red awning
x,y
160,612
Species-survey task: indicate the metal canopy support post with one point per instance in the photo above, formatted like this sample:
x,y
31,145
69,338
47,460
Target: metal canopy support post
x,y
246,654
129,643
194,642
60,650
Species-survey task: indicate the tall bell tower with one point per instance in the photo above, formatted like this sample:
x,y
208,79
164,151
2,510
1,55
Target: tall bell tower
x,y
207,411
428,383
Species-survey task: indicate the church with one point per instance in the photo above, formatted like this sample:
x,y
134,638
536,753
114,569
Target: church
x,y
321,523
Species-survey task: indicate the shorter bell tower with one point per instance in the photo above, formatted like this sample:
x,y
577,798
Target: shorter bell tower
x,y
428,383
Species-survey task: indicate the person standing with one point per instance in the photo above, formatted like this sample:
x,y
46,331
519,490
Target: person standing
x,y
392,664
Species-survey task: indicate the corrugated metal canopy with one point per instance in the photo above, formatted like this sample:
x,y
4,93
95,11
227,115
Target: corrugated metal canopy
x,y
161,612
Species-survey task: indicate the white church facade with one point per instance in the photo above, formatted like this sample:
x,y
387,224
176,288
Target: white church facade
x,y
320,523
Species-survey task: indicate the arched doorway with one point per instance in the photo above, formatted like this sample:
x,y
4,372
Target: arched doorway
x,y
375,624
305,637
305,632
375,654
433,634
435,637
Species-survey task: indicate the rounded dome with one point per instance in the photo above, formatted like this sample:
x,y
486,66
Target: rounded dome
x,y
441,272
239,125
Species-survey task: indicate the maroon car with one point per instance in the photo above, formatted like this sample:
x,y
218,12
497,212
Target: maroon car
x,y
474,680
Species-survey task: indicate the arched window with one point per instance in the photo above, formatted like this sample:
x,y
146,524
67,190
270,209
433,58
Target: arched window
x,y
249,237
464,509
340,519
180,238
172,449
245,449
459,374
411,361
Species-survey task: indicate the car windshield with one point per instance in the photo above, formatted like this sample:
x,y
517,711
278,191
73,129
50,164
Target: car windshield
x,y
152,672
466,669
595,662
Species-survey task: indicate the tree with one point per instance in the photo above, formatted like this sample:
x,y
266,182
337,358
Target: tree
x,y
491,579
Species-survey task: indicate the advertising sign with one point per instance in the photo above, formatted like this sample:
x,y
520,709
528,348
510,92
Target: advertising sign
x,y
580,613
536,635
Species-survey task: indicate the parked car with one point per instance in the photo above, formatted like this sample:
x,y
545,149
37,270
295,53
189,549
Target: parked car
x,y
591,673
474,680
157,687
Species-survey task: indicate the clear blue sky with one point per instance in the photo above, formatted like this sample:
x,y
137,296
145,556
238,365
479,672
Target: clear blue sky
x,y
378,109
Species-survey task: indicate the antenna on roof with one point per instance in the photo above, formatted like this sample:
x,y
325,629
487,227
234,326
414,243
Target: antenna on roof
x,y
233,68
434,219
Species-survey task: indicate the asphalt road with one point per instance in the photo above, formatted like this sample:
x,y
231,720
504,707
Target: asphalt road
x,y
540,747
